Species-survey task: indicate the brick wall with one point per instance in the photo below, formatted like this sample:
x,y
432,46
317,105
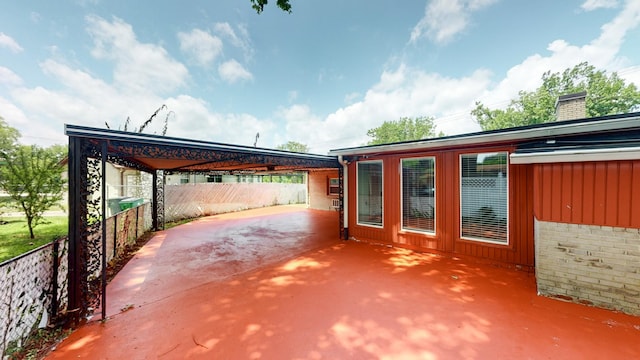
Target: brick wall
x,y
318,198
597,265
571,109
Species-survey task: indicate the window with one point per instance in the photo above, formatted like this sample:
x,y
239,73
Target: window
x,y
214,178
333,186
483,197
418,194
369,191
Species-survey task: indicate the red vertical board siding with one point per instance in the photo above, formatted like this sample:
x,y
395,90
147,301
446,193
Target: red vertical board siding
x,y
358,231
546,183
603,193
520,250
599,195
391,197
447,238
613,196
635,194
521,225
566,195
538,199
577,192
588,208
625,182
556,189
448,178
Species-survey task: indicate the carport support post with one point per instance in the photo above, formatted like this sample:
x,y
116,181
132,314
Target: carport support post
x,y
157,203
77,219
103,209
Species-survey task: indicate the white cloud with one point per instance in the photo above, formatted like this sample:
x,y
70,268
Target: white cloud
x,y
400,92
351,98
194,120
232,71
590,5
444,19
138,66
82,98
601,52
240,40
9,78
200,45
9,43
406,91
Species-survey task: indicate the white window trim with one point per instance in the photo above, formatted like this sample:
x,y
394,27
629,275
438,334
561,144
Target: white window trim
x,y
381,226
471,238
435,194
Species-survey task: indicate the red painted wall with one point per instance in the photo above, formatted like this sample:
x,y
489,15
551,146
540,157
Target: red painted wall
x,y
520,250
592,193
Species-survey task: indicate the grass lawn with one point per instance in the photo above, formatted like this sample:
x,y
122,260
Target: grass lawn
x,y
14,235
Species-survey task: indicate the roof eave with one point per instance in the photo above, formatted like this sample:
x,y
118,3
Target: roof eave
x,y
516,135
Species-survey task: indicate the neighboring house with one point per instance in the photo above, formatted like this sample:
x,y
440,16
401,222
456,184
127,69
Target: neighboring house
x,y
562,198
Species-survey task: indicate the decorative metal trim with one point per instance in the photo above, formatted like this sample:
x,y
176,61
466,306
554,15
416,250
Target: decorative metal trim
x,y
90,149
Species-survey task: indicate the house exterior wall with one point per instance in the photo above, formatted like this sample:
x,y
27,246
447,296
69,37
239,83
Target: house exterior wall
x,y
588,232
114,181
593,193
319,197
593,264
519,252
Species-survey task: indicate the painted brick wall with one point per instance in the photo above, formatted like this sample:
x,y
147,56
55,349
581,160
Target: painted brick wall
x,y
318,198
598,265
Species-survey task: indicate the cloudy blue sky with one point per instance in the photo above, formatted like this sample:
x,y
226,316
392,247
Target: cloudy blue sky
x,y
321,75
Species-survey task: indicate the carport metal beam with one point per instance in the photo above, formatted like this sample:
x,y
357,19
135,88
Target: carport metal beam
x,y
90,147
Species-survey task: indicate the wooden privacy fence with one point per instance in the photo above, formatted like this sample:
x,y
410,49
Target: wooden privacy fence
x,y
193,200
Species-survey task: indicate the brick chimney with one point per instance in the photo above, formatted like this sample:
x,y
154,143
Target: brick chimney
x,y
571,106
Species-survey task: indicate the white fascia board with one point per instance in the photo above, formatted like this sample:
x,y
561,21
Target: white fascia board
x,y
583,155
558,129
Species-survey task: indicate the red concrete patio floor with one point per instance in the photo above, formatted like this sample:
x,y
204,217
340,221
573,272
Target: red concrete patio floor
x,y
277,284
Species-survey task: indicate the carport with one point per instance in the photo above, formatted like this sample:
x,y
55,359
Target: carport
x,y
89,151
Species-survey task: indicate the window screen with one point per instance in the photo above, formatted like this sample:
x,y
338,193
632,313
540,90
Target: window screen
x,y
369,175
418,194
483,196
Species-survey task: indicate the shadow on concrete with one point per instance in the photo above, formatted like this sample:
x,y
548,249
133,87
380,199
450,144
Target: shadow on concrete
x,y
285,287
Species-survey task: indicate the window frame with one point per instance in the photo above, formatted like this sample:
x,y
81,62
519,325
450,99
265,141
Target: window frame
x,y
507,241
358,222
333,189
435,194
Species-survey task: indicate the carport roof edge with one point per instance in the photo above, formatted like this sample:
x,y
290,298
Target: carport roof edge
x,y
313,160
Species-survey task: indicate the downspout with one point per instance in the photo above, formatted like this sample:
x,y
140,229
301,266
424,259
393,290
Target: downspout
x,y
345,196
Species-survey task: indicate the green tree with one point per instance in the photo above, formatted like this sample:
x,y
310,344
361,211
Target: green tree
x,y
32,176
294,146
258,5
8,136
607,94
404,129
